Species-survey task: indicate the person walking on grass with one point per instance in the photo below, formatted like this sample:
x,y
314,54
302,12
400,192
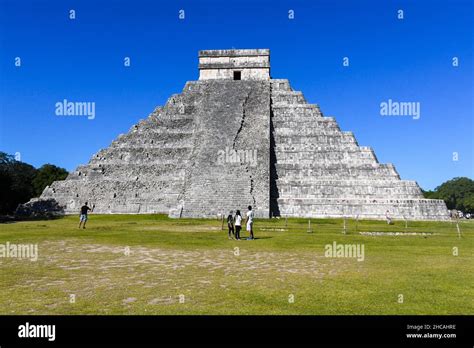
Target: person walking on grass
x,y
230,224
83,218
238,224
250,215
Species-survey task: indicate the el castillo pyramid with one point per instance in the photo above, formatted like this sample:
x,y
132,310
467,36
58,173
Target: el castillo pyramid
x,y
237,137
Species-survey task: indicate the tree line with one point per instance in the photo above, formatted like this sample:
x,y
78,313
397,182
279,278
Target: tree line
x,y
19,181
457,193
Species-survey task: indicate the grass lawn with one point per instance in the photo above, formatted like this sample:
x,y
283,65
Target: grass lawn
x,y
149,264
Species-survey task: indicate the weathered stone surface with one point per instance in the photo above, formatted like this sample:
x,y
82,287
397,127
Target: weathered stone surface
x,y
320,171
221,64
40,208
222,144
230,117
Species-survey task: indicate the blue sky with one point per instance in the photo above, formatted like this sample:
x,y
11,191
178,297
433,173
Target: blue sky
x,y
82,60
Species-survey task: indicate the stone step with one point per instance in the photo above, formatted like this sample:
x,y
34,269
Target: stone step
x,y
280,85
296,110
182,122
350,149
308,131
330,167
413,209
170,143
311,180
111,182
122,175
316,191
151,138
167,121
297,147
341,139
174,131
295,172
293,168
146,168
176,162
308,116
140,155
323,162
289,97
277,93
278,106
310,150
311,122
351,156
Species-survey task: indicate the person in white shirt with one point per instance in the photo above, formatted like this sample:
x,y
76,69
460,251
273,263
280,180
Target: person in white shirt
x,y
250,216
238,224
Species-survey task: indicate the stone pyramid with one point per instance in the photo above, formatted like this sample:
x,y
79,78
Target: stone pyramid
x,y
235,138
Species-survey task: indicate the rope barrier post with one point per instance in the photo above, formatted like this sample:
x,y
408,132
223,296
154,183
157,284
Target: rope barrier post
x,y
309,227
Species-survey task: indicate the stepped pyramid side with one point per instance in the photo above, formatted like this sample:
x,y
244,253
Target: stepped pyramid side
x,y
142,171
234,138
321,171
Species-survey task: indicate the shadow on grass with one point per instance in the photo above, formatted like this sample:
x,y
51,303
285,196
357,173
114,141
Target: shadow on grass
x,y
10,219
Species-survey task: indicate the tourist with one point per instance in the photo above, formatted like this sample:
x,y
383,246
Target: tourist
x,y
250,216
238,224
230,224
83,217
387,216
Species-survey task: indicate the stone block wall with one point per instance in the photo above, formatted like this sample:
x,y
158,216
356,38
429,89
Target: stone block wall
x,y
221,64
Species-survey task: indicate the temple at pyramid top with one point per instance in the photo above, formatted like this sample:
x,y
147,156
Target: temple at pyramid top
x,y
248,64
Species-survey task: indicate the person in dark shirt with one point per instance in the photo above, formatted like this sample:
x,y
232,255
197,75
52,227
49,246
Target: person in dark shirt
x,y
83,218
230,224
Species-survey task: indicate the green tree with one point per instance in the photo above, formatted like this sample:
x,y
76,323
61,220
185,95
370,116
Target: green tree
x,y
5,190
16,186
469,204
19,181
458,193
45,176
